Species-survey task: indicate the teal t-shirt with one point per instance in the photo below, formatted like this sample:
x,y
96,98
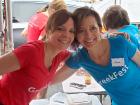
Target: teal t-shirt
x,y
120,78
133,32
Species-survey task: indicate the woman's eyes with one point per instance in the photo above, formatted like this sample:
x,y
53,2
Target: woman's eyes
x,y
60,28
63,29
84,30
72,31
93,28
81,30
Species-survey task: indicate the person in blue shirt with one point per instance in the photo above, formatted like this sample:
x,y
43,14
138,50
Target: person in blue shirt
x,y
114,62
116,19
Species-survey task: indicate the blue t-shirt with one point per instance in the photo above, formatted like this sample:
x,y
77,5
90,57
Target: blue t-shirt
x,y
132,31
120,78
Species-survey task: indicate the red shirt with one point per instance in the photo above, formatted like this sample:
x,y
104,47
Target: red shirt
x,y
36,26
21,86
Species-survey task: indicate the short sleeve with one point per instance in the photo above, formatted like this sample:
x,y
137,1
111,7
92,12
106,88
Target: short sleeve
x,y
25,54
39,20
135,41
73,61
33,33
36,26
131,49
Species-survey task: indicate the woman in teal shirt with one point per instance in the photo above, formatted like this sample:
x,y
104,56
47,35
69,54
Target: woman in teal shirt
x,y
113,62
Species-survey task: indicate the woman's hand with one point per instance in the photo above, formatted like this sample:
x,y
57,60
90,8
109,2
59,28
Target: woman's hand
x,y
122,34
136,58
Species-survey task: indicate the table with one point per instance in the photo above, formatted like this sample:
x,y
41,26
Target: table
x,y
93,89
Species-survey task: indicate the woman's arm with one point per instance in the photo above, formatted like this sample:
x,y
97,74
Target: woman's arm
x,y
8,63
62,74
41,37
25,31
136,58
114,34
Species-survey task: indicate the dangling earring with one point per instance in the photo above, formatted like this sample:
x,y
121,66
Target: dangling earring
x,y
99,37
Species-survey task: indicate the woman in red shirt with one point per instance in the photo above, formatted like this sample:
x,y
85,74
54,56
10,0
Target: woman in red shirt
x,y
30,67
35,29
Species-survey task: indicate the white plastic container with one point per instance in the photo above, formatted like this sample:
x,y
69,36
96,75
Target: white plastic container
x,y
78,99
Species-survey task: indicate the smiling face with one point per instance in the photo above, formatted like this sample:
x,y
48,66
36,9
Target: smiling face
x,y
89,32
63,35
60,30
